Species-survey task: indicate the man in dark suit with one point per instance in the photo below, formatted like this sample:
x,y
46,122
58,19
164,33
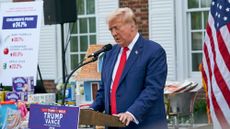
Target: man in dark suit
x,y
133,76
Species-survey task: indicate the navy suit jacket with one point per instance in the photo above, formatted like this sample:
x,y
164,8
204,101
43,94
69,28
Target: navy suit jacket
x,y
141,85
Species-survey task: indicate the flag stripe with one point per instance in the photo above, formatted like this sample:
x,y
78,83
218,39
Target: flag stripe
x,y
223,122
220,98
206,65
225,32
216,63
218,113
224,50
222,85
213,78
221,82
221,101
226,38
228,26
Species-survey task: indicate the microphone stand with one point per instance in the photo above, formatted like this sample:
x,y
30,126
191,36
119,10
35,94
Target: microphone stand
x,y
79,66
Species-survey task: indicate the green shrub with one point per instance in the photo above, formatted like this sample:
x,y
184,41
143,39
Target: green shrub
x,y
200,111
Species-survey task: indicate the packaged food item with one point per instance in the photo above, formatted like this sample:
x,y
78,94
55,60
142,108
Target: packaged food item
x,y
24,96
22,108
12,96
44,98
16,96
2,96
12,119
23,84
3,109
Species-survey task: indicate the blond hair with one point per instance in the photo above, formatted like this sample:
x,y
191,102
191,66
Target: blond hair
x,y
124,13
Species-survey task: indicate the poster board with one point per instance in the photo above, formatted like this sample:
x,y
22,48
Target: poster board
x,y
19,40
53,117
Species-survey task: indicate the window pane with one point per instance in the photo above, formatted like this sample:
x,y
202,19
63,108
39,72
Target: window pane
x,y
205,18
92,39
83,32
205,3
73,44
196,40
92,25
83,43
193,4
196,60
82,57
73,28
196,20
90,7
83,25
80,7
74,61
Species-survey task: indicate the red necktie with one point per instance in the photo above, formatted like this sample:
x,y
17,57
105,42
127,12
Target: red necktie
x,y
116,80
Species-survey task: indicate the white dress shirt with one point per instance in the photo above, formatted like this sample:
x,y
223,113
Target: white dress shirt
x,y
119,57
117,63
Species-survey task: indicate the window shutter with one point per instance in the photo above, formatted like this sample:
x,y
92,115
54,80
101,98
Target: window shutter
x,y
104,7
48,52
162,27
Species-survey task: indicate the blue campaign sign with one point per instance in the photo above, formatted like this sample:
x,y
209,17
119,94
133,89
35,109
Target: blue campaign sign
x,y
20,22
53,117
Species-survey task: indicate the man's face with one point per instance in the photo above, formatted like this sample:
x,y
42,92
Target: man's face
x,y
121,32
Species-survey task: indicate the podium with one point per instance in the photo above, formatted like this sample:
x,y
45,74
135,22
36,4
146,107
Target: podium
x,y
91,117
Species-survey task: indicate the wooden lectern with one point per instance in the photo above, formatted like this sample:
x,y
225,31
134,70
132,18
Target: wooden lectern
x,y
91,117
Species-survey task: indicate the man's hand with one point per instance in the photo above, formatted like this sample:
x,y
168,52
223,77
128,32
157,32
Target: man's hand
x,y
125,118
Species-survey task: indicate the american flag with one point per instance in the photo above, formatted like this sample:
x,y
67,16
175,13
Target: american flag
x,y
216,63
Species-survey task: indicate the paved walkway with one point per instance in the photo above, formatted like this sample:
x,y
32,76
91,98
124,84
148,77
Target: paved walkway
x,y
196,126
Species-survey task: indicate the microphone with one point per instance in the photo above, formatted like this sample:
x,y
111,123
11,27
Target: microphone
x,y
103,49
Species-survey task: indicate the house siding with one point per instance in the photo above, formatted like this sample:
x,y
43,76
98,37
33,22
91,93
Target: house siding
x,y
103,8
48,51
3,1
162,30
159,24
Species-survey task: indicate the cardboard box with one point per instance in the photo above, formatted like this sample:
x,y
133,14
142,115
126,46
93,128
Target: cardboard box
x,y
23,84
13,96
44,98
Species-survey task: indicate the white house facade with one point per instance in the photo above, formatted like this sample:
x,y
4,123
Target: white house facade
x,y
178,25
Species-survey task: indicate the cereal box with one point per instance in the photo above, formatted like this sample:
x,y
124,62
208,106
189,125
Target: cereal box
x,y
25,84
14,96
44,98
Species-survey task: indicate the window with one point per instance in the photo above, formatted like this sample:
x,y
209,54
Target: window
x,y
99,63
83,32
197,17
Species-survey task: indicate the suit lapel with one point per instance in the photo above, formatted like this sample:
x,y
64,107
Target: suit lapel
x,y
113,59
137,48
